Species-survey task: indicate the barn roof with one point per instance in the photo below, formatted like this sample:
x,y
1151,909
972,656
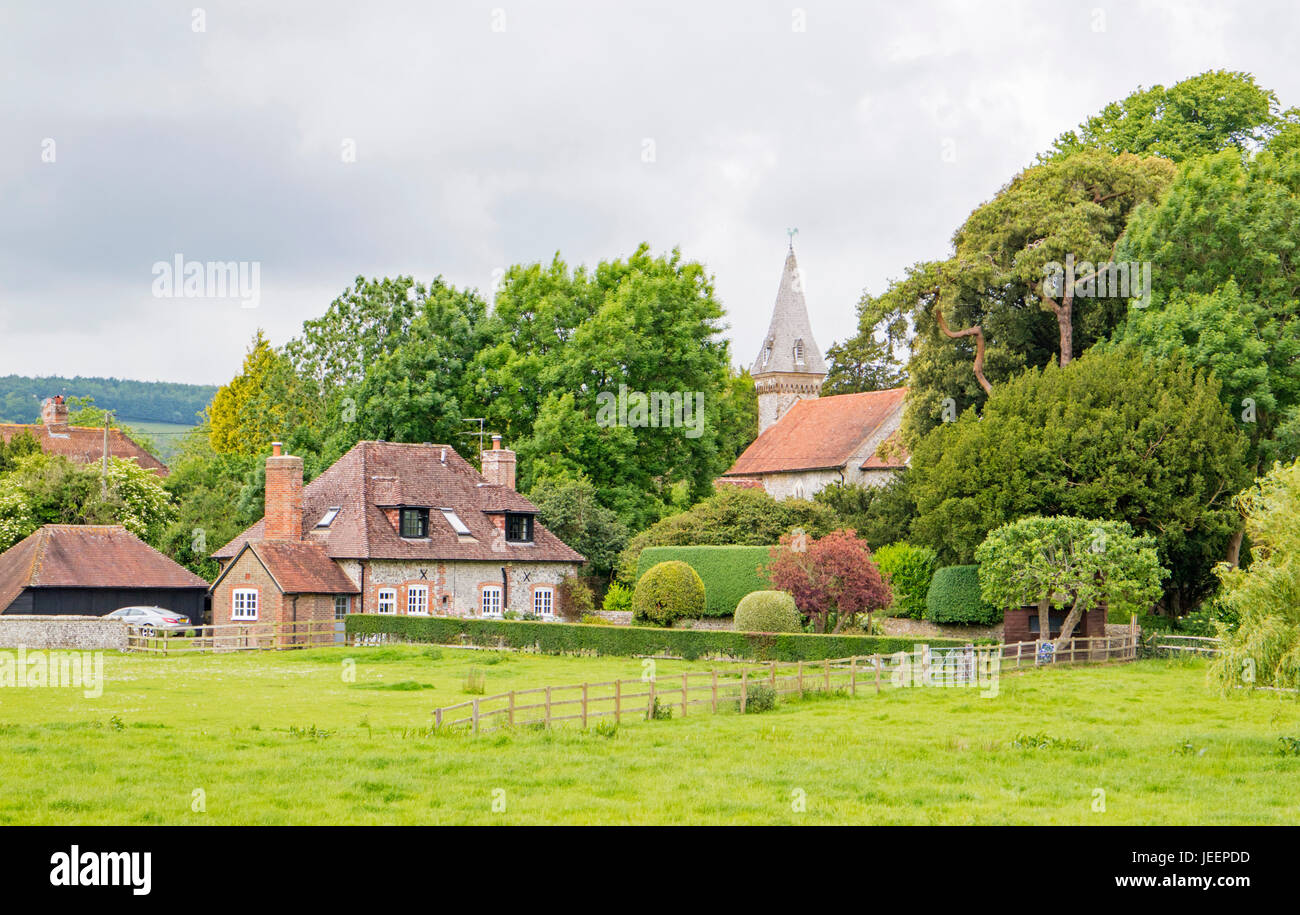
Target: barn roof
x,y
88,556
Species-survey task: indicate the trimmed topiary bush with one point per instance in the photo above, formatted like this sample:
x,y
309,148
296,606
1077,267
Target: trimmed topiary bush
x,y
728,572
668,592
768,611
909,570
954,597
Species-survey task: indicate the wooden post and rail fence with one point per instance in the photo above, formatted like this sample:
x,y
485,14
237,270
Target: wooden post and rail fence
x,y
693,692
250,636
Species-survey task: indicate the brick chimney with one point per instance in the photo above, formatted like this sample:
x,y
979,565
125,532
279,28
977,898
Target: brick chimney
x,y
283,496
499,464
54,413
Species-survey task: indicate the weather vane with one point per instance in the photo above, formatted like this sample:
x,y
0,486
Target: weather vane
x,y
792,233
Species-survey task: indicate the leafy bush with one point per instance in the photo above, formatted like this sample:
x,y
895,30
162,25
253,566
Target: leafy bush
x,y
908,569
768,611
731,516
759,699
618,599
954,597
576,599
668,592
728,572
627,641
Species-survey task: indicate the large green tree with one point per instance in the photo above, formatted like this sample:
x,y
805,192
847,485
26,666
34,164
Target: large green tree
x,y
1116,435
1201,115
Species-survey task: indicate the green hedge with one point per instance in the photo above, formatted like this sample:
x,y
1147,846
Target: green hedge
x,y
573,638
728,572
954,597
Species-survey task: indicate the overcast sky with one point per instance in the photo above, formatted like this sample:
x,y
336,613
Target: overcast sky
x,y
500,132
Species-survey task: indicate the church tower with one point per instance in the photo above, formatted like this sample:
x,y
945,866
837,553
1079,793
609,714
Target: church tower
x,y
789,367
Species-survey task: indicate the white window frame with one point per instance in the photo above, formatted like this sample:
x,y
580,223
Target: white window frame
x,y
246,609
495,602
421,591
386,597
346,600
544,608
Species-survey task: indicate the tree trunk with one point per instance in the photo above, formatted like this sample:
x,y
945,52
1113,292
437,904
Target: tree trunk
x,y
1065,321
1071,620
1234,548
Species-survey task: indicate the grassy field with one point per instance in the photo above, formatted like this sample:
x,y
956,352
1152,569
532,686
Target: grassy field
x,y
281,738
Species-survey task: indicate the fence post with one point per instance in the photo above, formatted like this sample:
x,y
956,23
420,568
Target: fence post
x,y
650,702
584,706
853,675
925,663
618,701
548,706
800,669
510,715
744,688
771,678
826,663
715,690
1133,635
878,665
475,716
685,688
437,718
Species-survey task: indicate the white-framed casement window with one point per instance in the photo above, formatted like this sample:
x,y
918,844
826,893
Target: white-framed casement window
x,y
342,606
544,603
387,600
243,604
491,601
417,600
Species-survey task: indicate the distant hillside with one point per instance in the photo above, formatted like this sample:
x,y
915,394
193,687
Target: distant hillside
x,y
141,401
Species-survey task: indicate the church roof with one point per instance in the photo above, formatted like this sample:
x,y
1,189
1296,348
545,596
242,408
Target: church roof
x,y
788,345
825,433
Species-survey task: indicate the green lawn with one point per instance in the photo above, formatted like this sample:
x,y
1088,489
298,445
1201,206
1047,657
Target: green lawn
x,y
281,738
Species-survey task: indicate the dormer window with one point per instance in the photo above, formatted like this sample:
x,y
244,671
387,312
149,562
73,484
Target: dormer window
x,y
414,523
328,518
519,528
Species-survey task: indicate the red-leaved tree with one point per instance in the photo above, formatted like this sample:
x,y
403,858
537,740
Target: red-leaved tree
x,y
833,574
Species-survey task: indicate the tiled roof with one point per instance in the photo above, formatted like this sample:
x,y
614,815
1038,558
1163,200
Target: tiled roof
x,y
789,324
88,556
85,444
374,475
300,568
823,434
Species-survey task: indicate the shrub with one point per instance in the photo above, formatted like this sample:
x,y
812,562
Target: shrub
x,y
759,699
576,599
768,611
832,579
668,592
627,641
908,569
728,572
954,597
730,516
618,599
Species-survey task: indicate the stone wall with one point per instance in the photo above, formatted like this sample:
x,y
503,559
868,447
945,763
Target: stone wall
x,y
77,632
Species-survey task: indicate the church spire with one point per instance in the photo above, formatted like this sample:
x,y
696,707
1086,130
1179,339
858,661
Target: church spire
x,y
788,345
789,367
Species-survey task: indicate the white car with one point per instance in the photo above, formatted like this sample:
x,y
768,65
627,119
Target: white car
x,y
151,619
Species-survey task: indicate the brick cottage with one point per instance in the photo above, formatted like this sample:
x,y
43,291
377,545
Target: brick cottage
x,y
394,529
